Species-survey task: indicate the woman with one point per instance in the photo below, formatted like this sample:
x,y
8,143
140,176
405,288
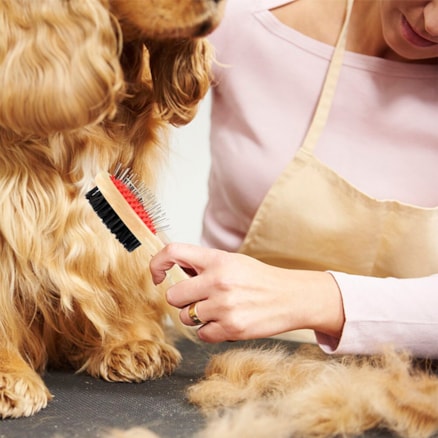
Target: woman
x,y
332,205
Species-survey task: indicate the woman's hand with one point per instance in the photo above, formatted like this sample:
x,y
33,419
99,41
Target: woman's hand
x,y
238,297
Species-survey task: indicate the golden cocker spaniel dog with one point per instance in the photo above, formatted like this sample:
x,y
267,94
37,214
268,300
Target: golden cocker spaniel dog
x,y
84,86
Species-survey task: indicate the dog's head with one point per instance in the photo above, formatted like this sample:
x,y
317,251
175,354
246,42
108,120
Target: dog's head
x,y
167,18
65,64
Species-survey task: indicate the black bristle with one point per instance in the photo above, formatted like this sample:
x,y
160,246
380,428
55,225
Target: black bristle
x,y
112,220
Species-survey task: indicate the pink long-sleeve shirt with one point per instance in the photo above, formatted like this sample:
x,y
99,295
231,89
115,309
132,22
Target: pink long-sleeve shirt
x,y
382,137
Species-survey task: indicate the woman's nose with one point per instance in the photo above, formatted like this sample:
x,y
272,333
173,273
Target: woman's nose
x,y
431,18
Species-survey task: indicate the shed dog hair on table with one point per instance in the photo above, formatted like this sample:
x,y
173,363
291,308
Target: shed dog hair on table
x,y
271,392
85,85
310,394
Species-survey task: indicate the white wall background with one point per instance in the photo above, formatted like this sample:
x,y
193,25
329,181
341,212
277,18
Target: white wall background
x,y
183,189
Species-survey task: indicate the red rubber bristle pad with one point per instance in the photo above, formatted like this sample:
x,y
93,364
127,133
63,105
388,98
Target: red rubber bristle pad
x,y
135,203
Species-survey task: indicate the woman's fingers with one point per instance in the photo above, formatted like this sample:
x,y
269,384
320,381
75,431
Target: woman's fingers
x,y
189,257
199,313
213,333
190,315
162,262
210,331
218,321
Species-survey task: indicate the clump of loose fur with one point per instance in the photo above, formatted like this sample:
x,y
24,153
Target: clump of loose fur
x,y
270,392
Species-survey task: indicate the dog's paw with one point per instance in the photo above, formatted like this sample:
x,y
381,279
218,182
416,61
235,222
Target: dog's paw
x,y
135,361
22,394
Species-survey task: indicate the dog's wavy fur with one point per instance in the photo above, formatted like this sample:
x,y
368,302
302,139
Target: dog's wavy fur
x,y
271,392
85,85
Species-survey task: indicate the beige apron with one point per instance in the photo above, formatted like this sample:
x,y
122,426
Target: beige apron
x,y
311,218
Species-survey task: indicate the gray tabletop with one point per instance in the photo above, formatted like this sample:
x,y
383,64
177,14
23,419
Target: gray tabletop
x,y
83,407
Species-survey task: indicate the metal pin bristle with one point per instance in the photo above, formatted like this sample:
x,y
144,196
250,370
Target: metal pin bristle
x,y
144,195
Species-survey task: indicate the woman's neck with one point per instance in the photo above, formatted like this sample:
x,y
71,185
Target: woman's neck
x,y
323,19
365,31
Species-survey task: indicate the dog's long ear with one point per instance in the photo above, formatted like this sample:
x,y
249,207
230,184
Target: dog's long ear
x,y
181,73
59,65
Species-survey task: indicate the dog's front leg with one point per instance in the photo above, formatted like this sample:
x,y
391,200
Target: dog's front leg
x,y
22,391
123,349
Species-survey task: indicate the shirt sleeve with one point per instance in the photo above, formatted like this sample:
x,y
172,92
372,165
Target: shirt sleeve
x,y
381,312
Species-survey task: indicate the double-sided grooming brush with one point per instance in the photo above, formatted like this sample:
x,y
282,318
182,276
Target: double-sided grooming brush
x,y
132,213
129,210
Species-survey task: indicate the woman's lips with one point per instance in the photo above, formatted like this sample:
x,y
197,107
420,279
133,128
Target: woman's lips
x,y
413,37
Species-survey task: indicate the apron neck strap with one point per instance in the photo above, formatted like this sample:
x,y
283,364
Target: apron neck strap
x,y
329,86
